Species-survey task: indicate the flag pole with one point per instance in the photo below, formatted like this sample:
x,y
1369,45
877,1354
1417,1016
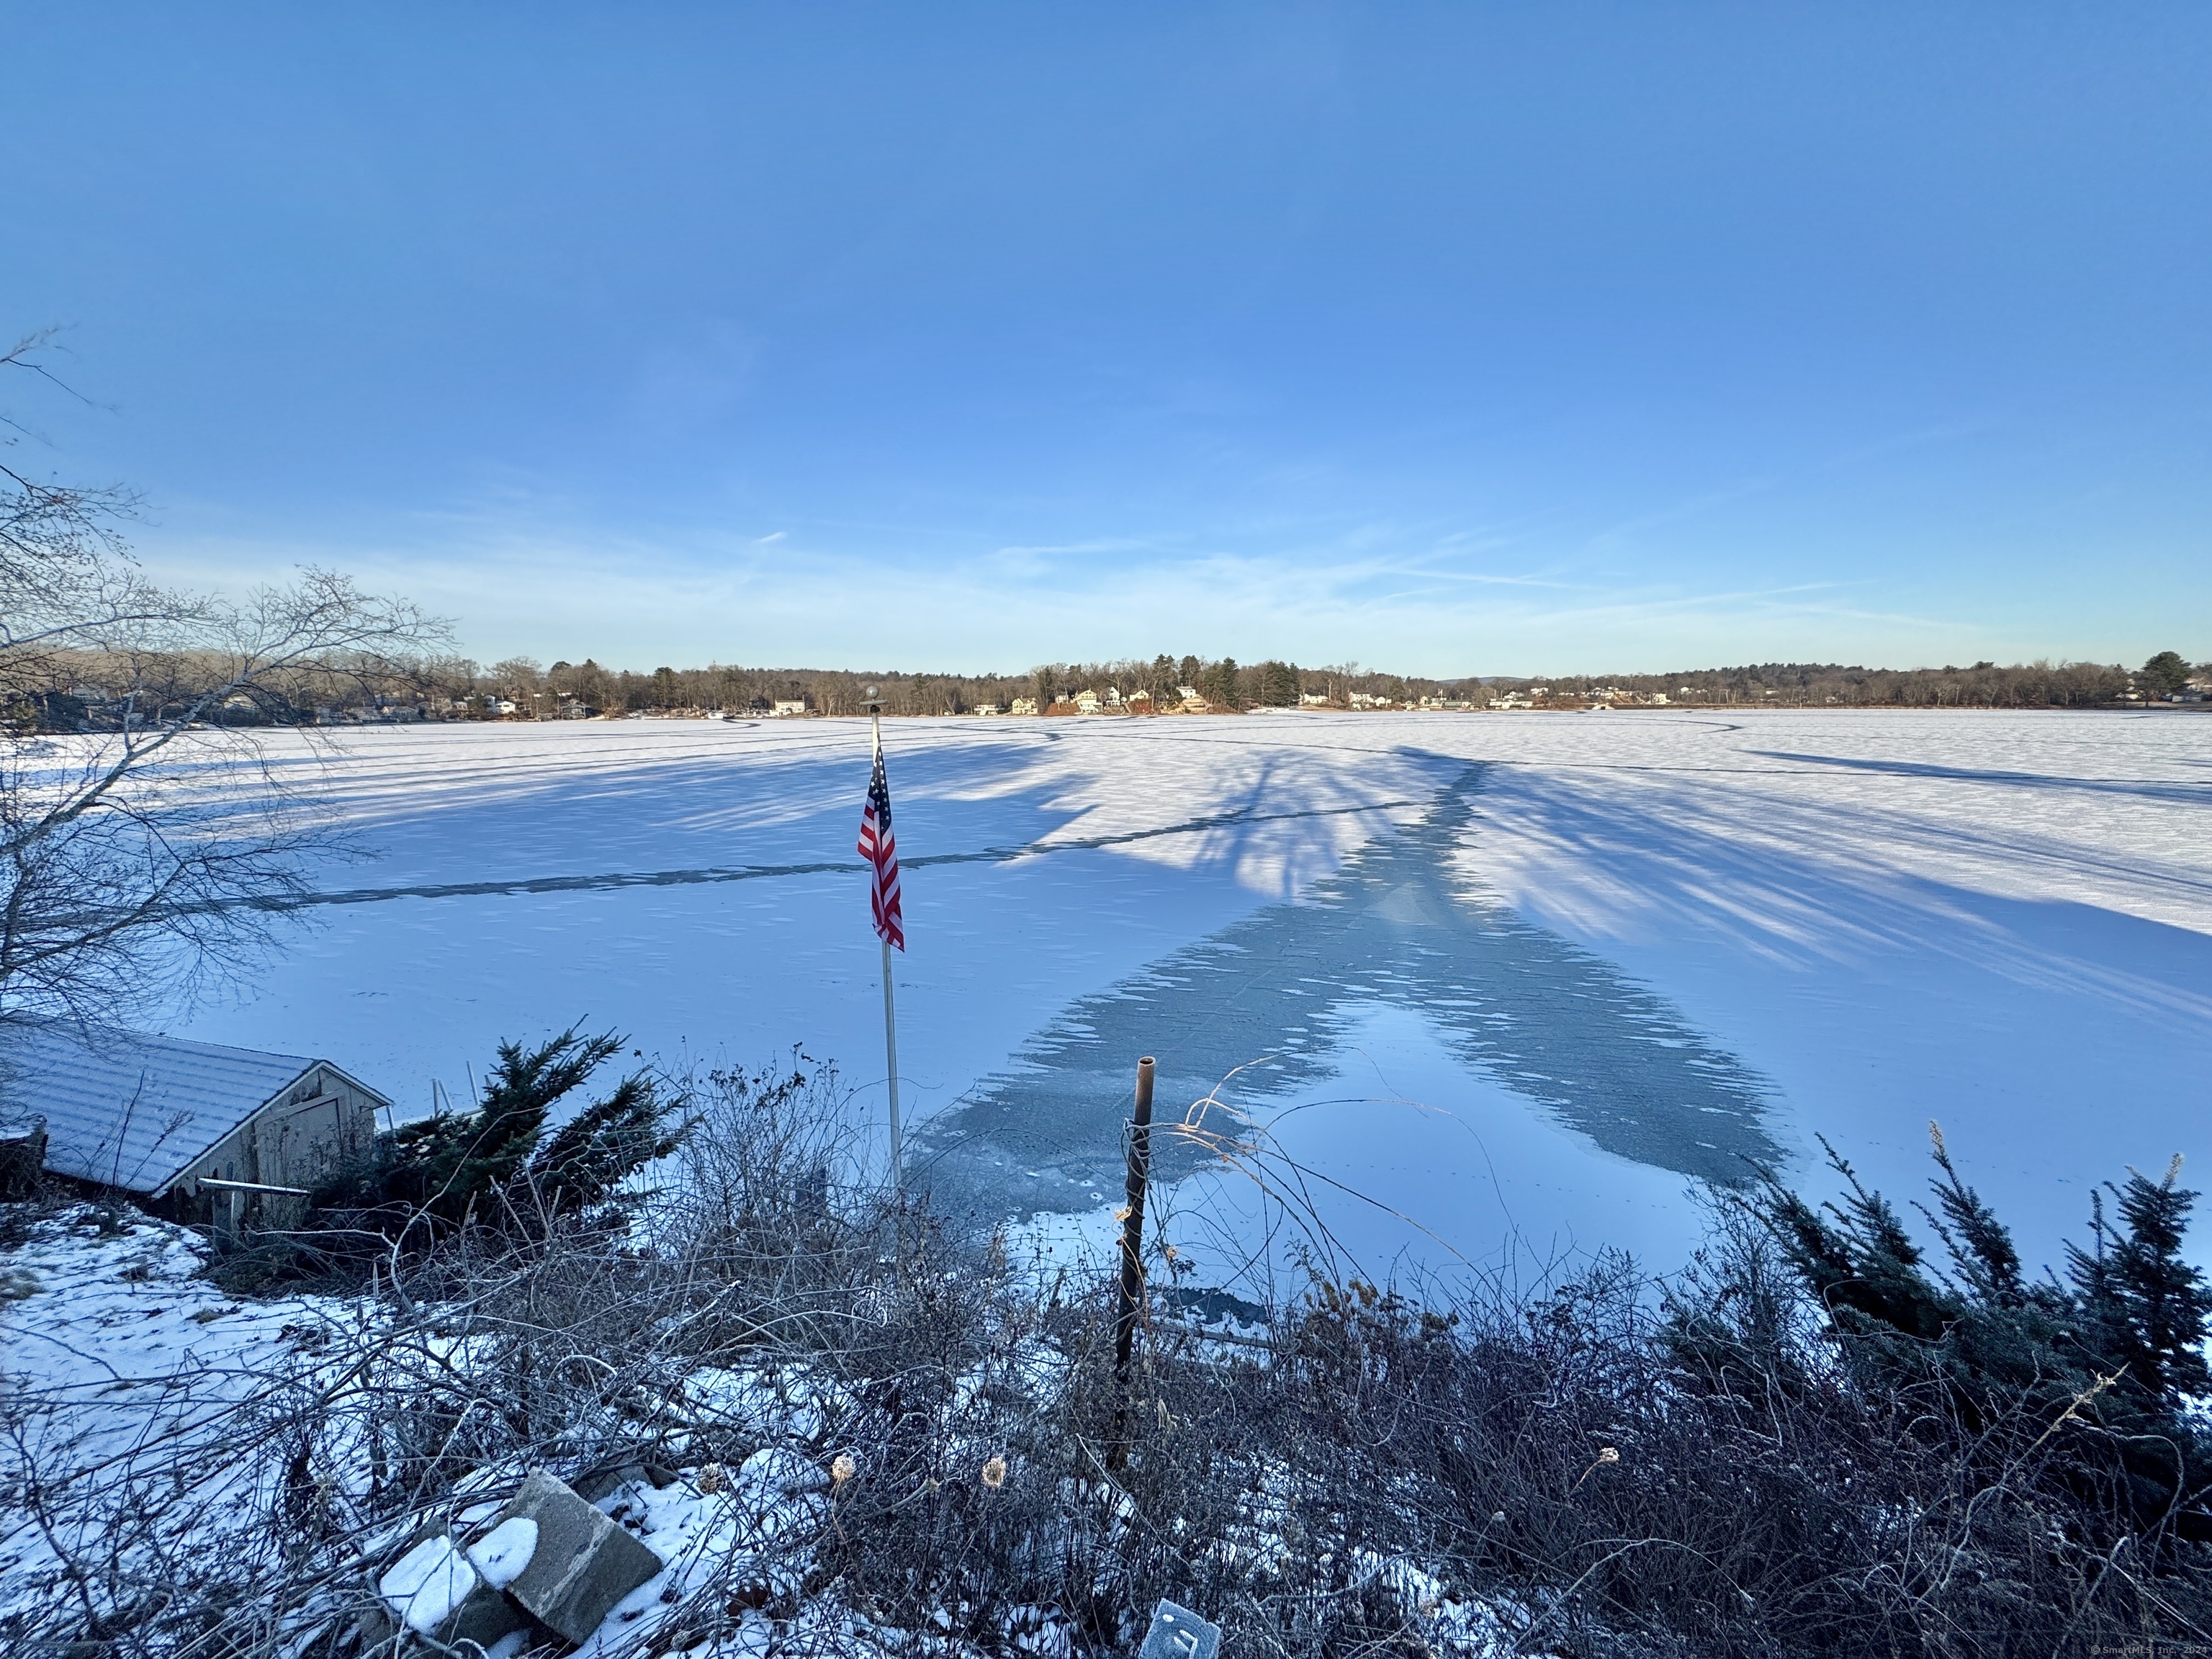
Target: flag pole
x,y
891,1055
891,1018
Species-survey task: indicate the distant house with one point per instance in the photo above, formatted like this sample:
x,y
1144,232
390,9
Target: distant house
x,y
156,1115
788,707
1313,699
1086,702
1140,695
987,709
1025,705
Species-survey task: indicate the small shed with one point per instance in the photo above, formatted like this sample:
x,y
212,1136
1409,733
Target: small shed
x,y
155,1115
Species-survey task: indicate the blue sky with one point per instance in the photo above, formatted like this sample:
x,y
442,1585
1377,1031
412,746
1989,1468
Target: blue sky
x,y
1459,338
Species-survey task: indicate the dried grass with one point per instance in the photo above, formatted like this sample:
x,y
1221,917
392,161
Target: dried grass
x,y
1557,1472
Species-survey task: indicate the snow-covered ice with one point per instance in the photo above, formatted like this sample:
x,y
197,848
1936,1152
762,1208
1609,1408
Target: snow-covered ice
x,y
1522,974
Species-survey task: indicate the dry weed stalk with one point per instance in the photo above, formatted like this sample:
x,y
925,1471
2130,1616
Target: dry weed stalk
x,y
1376,1475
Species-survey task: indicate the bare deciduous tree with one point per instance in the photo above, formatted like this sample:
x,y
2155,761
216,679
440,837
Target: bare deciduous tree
x,y
148,831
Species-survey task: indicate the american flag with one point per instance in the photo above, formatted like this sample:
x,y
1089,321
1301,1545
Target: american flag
x,y
881,851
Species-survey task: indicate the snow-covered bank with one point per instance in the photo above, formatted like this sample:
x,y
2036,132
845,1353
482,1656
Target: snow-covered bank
x,y
2000,920
815,1453
117,1357
147,1408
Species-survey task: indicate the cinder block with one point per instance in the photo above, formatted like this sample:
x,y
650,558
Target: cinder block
x,y
583,1563
482,1619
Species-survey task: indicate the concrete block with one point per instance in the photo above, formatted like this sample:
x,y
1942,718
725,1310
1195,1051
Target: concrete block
x,y
482,1619
581,1563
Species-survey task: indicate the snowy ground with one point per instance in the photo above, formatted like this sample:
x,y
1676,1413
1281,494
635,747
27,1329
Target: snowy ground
x,y
158,1421
119,1365
1510,974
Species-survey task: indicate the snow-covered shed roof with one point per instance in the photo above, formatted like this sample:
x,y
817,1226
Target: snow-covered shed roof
x,y
131,1109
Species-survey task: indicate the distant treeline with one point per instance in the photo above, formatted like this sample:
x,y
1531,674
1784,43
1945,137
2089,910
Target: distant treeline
x,y
1223,683
1982,685
79,691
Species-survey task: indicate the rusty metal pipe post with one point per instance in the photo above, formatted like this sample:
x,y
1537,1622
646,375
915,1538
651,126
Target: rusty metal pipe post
x,y
1133,1260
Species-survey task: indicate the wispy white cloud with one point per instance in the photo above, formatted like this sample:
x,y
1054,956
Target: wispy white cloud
x,y
1103,544
526,571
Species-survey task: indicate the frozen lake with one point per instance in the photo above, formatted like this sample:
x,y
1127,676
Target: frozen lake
x,y
1479,977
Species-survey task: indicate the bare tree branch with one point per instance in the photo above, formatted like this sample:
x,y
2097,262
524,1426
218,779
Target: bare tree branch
x,y
140,815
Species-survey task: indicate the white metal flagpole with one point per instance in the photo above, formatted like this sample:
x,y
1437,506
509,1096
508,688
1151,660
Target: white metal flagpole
x,y
890,1056
891,1018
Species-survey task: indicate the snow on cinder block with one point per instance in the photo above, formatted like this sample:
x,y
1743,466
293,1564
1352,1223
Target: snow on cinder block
x,y
561,1558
